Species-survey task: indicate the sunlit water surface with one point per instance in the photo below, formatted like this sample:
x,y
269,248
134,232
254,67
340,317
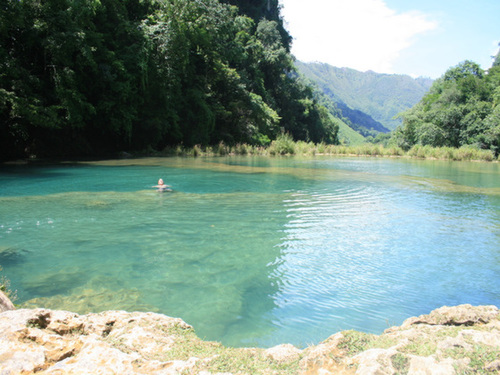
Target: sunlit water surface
x,y
255,251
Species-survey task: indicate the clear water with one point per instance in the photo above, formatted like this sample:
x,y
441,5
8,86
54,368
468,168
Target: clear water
x,y
255,251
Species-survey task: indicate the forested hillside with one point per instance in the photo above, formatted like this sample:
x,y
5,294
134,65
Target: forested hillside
x,y
461,108
90,77
369,99
349,133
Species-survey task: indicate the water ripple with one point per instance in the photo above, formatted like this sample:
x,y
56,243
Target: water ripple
x,y
349,249
256,253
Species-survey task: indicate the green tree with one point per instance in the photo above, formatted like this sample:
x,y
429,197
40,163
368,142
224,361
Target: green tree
x,y
97,76
458,110
267,9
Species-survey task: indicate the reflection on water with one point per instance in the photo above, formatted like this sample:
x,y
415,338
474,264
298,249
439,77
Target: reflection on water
x,y
255,251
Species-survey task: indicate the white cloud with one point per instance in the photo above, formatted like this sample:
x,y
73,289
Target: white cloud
x,y
360,34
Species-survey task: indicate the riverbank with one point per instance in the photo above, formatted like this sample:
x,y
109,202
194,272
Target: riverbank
x,y
462,339
286,146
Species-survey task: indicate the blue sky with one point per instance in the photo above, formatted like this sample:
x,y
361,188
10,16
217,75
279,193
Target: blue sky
x,y
414,37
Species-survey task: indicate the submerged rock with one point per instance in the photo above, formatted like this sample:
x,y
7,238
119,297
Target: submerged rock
x,y
461,339
93,296
11,255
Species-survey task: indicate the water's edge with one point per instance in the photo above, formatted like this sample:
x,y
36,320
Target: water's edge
x,y
141,343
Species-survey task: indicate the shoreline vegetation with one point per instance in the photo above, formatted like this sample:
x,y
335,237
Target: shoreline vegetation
x,y
288,147
285,145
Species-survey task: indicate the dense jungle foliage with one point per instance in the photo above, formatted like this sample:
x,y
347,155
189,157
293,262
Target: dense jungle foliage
x,y
462,108
90,77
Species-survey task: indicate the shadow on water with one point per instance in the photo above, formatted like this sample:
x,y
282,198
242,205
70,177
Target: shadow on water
x,y
11,255
30,174
55,283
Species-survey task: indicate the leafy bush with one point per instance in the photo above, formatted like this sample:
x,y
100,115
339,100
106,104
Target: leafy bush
x,y
462,108
283,145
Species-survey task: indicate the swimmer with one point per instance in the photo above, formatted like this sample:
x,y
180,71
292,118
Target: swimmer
x,y
161,185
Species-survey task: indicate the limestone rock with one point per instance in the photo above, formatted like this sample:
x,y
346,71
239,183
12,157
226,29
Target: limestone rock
x,y
453,343
375,361
5,303
64,342
449,340
428,365
489,338
326,358
284,353
457,315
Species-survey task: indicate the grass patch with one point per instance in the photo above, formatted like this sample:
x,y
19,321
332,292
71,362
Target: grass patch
x,y
355,342
214,357
188,345
464,153
401,363
285,145
451,331
248,361
480,356
422,346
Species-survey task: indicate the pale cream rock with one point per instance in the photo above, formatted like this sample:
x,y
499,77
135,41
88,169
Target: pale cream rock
x,y
284,353
118,342
375,361
5,303
482,337
429,366
456,315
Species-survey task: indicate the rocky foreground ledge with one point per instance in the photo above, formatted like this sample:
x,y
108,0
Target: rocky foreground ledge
x,y
462,339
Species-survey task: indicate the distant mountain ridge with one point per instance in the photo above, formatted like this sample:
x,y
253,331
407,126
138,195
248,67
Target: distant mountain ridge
x,y
367,99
